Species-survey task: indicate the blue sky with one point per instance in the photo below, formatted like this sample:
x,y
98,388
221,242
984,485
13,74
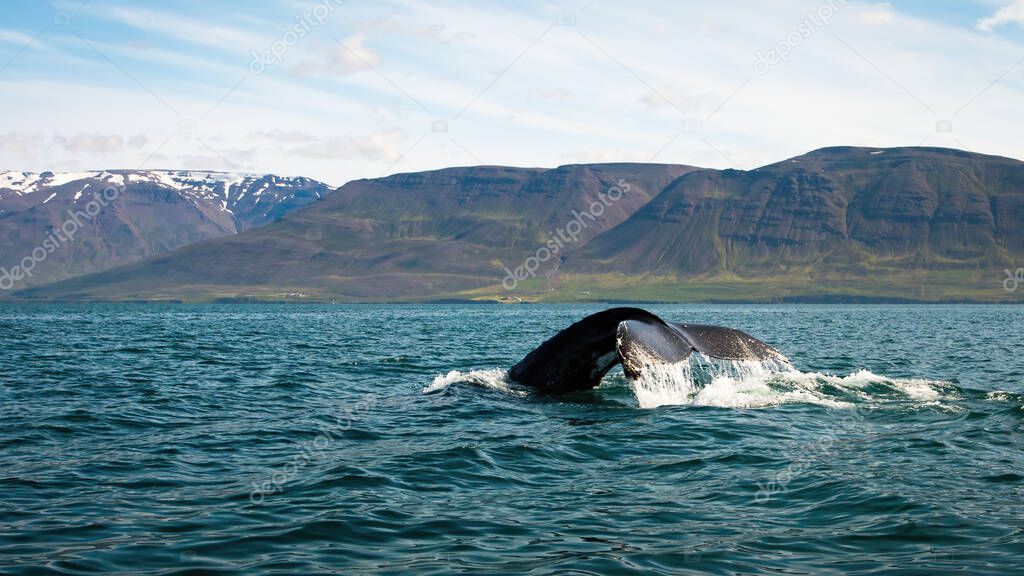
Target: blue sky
x,y
339,90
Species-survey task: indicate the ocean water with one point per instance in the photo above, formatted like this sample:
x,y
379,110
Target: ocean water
x,y
153,439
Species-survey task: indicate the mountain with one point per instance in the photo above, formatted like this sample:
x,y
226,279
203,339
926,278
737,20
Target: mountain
x,y
437,232
834,215
844,223
56,226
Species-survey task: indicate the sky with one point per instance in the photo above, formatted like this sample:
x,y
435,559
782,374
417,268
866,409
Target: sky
x,y
343,89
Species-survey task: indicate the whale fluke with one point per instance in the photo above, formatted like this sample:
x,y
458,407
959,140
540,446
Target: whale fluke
x,y
727,343
640,342
578,357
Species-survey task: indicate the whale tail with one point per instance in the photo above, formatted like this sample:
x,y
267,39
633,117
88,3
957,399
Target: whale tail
x,y
578,357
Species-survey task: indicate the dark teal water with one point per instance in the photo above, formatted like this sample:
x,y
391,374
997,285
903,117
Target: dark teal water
x,y
299,439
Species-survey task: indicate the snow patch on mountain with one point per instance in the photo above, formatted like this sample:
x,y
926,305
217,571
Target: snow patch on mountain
x,y
28,182
221,190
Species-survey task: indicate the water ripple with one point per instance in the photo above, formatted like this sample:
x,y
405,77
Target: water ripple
x,y
166,439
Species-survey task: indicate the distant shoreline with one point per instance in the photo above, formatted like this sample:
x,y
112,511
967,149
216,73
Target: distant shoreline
x,y
825,300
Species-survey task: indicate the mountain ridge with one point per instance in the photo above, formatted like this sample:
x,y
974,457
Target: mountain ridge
x,y
929,224
146,212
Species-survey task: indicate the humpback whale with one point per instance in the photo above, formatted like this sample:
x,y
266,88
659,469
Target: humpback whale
x,y
578,357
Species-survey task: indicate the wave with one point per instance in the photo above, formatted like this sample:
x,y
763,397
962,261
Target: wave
x,y
496,379
731,384
701,381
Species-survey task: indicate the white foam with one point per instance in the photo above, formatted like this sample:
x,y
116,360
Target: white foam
x,y
913,388
762,391
1003,396
701,381
495,379
664,384
730,384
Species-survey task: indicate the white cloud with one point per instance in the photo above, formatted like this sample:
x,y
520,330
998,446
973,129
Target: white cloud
x,y
349,56
693,104
383,145
536,100
14,37
601,155
1012,13
97,143
877,14
137,141
434,32
28,147
284,135
186,29
90,143
353,55
19,146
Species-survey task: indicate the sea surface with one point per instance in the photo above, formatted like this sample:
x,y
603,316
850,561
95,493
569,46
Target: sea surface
x,y
293,439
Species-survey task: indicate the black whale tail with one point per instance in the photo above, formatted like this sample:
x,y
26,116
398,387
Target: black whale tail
x,y
578,357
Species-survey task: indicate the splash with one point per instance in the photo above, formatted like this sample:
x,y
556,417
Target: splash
x,y
664,384
1004,396
495,379
701,381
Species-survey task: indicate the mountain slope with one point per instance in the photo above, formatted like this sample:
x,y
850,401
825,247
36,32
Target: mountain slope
x,y
56,226
846,211
838,223
424,233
